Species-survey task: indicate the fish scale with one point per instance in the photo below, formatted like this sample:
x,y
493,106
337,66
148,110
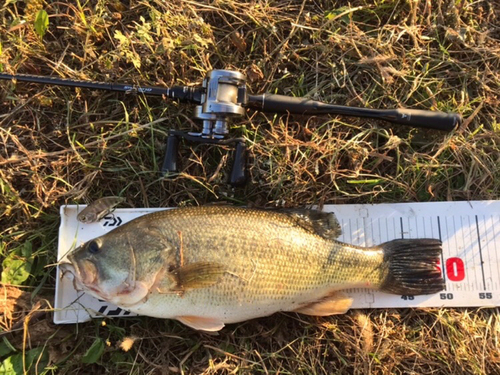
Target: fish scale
x,y
298,258
269,261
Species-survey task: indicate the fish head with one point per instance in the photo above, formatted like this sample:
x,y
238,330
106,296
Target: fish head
x,y
111,267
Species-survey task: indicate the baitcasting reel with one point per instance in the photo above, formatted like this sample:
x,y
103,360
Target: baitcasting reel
x,y
224,96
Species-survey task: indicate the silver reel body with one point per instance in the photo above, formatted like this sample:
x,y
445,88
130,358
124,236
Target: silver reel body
x,y
223,98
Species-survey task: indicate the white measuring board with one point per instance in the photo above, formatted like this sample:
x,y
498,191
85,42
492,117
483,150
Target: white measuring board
x,y
470,232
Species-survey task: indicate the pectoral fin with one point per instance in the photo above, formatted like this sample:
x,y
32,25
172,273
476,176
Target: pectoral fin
x,y
201,323
333,304
197,275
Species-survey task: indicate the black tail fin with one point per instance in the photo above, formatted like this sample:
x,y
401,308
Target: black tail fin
x,y
411,266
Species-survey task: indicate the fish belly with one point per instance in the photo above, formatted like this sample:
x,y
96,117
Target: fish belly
x,y
203,304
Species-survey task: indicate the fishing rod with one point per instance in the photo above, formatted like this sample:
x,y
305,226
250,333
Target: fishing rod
x,y
224,95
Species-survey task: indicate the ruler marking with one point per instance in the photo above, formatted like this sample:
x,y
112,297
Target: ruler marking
x,y
394,227
350,231
425,227
360,236
369,239
472,234
448,238
368,234
474,283
442,256
496,253
380,231
356,233
402,230
386,229
463,286
344,231
487,252
471,241
474,253
480,251
355,236
494,250
460,285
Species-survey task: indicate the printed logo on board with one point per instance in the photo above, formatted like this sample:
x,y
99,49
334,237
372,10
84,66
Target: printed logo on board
x,y
112,221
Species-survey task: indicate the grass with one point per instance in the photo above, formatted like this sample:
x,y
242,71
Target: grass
x,y
61,145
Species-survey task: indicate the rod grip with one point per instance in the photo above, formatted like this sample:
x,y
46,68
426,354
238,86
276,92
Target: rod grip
x,y
424,119
412,117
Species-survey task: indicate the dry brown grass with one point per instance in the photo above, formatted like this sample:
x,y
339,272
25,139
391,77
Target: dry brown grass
x,y
60,145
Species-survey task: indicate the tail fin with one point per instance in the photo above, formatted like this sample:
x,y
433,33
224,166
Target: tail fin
x,y
411,266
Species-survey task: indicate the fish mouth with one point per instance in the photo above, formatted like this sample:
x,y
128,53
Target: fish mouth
x,y
88,272
85,274
67,268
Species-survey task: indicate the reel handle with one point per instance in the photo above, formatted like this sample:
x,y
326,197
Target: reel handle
x,y
170,158
238,176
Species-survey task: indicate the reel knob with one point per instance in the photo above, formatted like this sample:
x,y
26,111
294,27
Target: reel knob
x,y
238,172
170,159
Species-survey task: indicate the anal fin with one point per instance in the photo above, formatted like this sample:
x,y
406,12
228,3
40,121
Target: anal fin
x,y
201,323
334,304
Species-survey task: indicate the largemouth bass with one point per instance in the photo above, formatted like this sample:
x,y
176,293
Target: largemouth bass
x,y
209,266
98,209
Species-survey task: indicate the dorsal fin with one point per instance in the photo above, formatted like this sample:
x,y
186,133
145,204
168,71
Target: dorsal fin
x,y
324,224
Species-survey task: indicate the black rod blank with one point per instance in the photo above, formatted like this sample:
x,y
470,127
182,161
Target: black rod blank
x,y
183,93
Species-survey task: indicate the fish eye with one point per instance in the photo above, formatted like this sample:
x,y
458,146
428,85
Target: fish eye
x,y
93,247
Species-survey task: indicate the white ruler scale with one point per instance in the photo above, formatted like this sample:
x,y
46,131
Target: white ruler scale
x,y
470,232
